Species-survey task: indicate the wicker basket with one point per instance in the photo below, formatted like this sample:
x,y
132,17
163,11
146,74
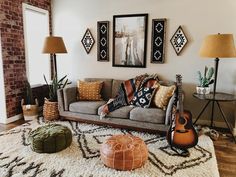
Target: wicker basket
x,y
50,110
30,112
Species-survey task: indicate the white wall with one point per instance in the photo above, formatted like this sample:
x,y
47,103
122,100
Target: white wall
x,y
3,111
198,19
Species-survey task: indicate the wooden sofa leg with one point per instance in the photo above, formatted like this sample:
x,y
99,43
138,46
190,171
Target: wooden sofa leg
x,y
61,118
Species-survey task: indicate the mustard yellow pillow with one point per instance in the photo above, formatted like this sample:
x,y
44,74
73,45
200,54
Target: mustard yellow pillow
x,y
89,91
163,95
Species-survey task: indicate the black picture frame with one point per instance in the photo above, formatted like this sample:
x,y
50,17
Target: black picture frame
x,y
158,40
103,41
130,40
87,41
179,40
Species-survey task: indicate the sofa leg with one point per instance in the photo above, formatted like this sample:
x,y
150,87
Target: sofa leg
x,y
61,118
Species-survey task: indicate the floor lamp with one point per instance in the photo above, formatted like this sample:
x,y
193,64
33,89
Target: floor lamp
x,y
217,46
54,45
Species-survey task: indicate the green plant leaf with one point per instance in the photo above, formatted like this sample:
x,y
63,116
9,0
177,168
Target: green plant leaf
x,y
45,79
211,82
66,82
61,80
54,86
210,73
29,94
199,77
205,71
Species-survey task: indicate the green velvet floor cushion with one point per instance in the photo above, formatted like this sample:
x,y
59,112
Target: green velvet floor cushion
x,y
50,138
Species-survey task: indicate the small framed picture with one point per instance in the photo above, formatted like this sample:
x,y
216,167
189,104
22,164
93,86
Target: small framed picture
x,y
103,40
179,40
129,40
158,40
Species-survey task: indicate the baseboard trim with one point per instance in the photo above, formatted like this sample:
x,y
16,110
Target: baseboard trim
x,y
208,122
13,118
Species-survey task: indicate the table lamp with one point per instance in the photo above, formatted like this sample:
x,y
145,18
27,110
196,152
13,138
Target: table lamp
x,y
52,46
218,46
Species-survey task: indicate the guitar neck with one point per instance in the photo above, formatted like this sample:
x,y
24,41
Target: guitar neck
x,y
181,107
180,93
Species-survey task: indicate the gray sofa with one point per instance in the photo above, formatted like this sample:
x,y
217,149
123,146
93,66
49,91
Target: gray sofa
x,y
129,117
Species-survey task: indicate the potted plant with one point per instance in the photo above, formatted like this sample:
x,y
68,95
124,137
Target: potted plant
x,y
205,81
50,107
29,104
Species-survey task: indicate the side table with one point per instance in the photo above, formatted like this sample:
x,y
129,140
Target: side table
x,y
218,97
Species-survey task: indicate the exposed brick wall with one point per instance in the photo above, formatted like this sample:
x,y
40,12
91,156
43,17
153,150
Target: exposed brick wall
x,y
13,51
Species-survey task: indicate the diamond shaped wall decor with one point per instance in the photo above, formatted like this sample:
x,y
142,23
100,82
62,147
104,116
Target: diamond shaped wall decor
x,y
88,41
179,40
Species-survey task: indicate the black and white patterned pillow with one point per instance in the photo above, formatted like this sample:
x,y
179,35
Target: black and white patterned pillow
x,y
143,97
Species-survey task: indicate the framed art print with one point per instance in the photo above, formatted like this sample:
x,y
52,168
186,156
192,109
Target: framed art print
x,y
129,40
88,41
103,41
158,40
179,40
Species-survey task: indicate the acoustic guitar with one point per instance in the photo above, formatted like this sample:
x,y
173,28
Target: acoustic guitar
x,y
181,133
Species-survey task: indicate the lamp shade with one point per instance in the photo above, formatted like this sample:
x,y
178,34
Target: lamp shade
x,y
218,46
54,44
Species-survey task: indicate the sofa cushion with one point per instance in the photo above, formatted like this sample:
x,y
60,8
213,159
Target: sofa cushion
x,y
152,115
89,91
106,89
122,112
86,107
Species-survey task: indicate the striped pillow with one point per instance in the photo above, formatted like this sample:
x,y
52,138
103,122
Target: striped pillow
x,y
89,91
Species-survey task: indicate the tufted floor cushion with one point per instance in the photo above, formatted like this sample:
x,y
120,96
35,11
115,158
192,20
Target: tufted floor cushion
x,y
50,138
124,152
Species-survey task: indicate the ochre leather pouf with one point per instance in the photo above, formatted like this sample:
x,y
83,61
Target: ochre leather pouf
x,y
124,152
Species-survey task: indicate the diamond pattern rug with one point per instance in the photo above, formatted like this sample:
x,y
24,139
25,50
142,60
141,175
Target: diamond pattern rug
x,y
82,158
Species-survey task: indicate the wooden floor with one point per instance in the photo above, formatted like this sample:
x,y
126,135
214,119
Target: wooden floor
x,y
4,127
225,150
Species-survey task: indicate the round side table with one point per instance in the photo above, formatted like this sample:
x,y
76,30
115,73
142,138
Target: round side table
x,y
216,98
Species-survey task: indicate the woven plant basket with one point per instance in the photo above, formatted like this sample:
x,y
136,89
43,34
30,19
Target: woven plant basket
x,y
30,112
50,110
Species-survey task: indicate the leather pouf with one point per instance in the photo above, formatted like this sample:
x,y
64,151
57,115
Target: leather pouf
x,y
50,138
124,152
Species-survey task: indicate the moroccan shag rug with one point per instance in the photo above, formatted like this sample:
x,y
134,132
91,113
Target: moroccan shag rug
x,y
82,158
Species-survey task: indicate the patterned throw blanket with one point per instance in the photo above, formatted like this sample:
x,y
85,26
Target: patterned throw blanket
x,y
127,91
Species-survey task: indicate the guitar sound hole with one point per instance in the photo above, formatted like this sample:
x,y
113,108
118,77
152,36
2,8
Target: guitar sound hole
x,y
182,120
182,131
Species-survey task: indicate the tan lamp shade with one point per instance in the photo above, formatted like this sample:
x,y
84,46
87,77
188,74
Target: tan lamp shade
x,y
218,46
54,44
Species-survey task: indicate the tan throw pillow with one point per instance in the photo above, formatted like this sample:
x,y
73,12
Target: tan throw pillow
x,y
163,95
89,91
